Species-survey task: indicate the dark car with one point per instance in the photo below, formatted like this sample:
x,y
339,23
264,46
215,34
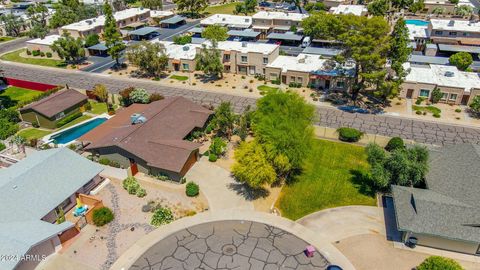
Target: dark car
x,y
353,109
264,4
334,267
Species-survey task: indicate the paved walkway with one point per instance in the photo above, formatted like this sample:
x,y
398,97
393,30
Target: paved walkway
x,y
343,222
419,130
273,224
216,183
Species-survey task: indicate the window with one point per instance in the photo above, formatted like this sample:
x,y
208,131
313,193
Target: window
x,y
243,59
227,57
453,96
340,84
185,66
424,93
444,96
438,32
299,80
265,60
273,76
466,34
59,115
452,33
292,79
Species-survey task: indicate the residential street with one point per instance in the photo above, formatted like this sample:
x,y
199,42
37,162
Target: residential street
x,y
420,131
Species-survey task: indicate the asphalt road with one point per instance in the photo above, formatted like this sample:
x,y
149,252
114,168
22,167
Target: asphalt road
x,y
413,129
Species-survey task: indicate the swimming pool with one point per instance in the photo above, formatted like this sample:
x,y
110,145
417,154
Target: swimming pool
x,y
77,131
417,22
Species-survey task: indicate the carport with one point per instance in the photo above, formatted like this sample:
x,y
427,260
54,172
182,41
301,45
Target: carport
x,y
173,22
144,33
288,38
243,35
98,50
196,31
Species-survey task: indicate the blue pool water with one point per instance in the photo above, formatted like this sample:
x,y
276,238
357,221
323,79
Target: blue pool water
x,y
417,22
74,133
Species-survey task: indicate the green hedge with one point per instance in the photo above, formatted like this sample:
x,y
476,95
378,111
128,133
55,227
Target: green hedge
x,y
2,146
347,134
102,216
68,119
394,144
192,189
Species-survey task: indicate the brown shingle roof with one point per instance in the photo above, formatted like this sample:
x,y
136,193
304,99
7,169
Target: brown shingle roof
x,y
158,141
56,103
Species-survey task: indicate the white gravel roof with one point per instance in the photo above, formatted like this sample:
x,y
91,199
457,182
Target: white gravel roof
x,y
48,40
175,51
160,13
442,75
302,62
417,31
358,10
246,47
228,20
100,20
455,25
279,16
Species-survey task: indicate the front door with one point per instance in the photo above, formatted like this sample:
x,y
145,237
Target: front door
x,y
327,84
465,99
284,79
176,67
133,166
409,93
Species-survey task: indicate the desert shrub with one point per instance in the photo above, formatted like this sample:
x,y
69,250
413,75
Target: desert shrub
x,y
418,112
29,52
125,96
42,54
36,53
458,110
104,161
131,185
349,134
439,263
394,143
161,216
72,147
155,97
2,146
212,157
218,146
102,216
419,100
436,115
277,81
49,54
192,189
139,95
141,192
114,163
146,208
35,124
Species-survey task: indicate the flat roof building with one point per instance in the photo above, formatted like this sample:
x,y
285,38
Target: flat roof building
x,y
455,32
181,57
229,21
358,10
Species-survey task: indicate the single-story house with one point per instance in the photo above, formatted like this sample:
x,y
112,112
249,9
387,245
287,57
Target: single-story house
x,y
43,44
48,111
31,193
311,70
458,87
445,215
151,138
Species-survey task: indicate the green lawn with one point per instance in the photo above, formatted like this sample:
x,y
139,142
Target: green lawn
x,y
33,133
15,57
265,88
221,9
431,109
98,107
12,95
332,177
179,78
4,39
75,121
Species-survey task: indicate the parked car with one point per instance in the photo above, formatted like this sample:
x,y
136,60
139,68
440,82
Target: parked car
x,y
306,42
264,4
334,267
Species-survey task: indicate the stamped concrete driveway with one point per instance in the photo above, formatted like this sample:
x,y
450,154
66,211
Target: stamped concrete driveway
x,y
343,222
216,183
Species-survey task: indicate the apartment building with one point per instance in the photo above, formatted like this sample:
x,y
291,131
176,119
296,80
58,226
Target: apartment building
x,y
458,87
455,32
95,25
247,58
311,70
180,57
358,10
232,22
266,21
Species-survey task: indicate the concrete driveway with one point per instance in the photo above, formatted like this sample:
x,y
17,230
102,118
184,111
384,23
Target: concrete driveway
x,y
216,184
343,222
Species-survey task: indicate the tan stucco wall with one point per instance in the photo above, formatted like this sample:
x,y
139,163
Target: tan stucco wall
x,y
446,244
418,86
304,77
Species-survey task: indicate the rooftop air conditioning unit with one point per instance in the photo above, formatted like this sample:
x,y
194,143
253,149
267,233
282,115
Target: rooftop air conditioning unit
x,y
137,118
449,73
224,19
451,23
89,21
186,48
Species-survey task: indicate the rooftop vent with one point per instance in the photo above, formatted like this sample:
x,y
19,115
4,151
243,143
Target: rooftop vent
x,y
137,118
451,23
186,48
224,19
244,44
89,21
247,20
449,73
302,60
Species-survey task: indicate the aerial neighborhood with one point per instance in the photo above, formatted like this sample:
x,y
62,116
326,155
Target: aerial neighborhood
x,y
206,134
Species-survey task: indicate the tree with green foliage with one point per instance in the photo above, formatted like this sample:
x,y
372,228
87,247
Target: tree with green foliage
x,y
462,60
102,216
70,11
417,6
245,7
208,60
192,7
215,33
297,3
463,10
150,58
13,24
438,11
399,50
454,1
436,95
92,39
69,49
403,166
224,120
152,4
394,144
111,35
101,93
439,263
252,166
282,124
378,7
363,39
318,6
402,4
38,16
182,40
217,147
475,106
8,128
140,95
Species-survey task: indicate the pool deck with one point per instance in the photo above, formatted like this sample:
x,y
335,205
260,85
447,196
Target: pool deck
x,y
48,138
